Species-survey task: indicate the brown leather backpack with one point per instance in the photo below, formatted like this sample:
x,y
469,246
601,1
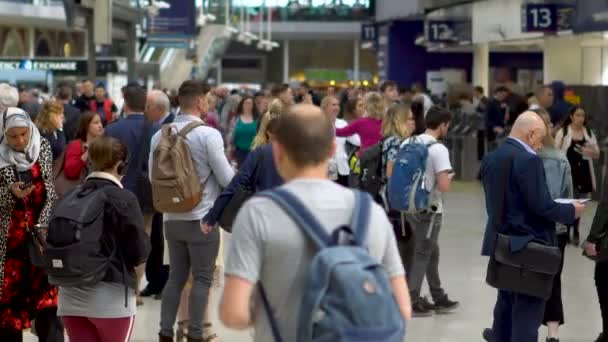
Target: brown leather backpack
x,y
176,186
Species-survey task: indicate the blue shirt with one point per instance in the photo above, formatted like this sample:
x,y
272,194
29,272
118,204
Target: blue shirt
x,y
524,145
258,172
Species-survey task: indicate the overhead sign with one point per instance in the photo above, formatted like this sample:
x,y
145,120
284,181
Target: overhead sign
x,y
591,16
548,18
177,21
64,67
369,32
448,31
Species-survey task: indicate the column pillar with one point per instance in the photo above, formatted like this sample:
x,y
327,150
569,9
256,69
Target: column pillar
x,y
356,61
32,46
92,60
131,51
286,61
563,60
481,67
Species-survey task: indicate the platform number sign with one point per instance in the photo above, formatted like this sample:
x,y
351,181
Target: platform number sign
x,y
441,31
368,32
539,18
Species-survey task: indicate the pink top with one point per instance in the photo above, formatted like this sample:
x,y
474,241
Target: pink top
x,y
368,129
212,120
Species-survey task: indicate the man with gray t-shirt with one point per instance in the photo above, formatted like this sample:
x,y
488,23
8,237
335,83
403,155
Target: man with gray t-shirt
x,y
268,247
427,224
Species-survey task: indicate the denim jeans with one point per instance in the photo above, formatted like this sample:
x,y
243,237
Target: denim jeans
x,y
189,251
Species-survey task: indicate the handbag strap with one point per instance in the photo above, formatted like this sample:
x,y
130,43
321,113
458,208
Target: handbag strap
x,y
273,322
259,161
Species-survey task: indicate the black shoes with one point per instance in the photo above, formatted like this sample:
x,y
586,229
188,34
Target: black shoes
x,y
148,292
445,305
422,308
552,339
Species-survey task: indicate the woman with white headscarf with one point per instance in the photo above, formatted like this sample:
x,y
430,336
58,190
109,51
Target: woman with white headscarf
x,y
27,198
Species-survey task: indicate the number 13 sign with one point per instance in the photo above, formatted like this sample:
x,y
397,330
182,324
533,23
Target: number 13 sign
x,y
539,18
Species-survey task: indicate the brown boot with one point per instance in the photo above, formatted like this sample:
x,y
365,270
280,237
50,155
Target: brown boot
x,y
162,338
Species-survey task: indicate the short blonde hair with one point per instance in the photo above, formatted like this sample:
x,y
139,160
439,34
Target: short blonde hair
x,y
326,100
44,119
375,106
394,123
268,124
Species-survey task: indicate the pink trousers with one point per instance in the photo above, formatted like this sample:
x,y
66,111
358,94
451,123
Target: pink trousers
x,y
99,329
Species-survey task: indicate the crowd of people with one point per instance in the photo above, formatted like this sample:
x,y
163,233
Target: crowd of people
x,y
166,173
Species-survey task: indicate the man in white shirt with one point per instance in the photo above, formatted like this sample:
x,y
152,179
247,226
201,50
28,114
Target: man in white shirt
x,y
331,107
426,225
268,247
193,247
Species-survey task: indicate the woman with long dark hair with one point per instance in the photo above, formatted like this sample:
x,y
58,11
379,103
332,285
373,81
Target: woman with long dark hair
x,y
245,128
576,139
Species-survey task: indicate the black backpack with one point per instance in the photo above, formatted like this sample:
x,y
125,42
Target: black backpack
x,y
371,177
77,252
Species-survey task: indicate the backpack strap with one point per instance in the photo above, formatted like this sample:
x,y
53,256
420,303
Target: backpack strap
x,y
189,127
361,214
301,215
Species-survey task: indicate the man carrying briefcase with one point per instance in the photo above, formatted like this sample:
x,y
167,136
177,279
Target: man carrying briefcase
x,y
521,217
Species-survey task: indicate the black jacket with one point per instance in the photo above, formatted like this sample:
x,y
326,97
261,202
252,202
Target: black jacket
x,y
599,227
123,223
72,119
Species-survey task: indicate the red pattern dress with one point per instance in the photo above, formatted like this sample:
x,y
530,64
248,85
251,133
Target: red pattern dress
x,y
25,289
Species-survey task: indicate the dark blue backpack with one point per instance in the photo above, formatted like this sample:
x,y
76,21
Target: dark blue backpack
x,y
406,190
348,296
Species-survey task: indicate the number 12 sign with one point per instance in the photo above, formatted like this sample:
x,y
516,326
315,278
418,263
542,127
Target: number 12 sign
x,y
539,18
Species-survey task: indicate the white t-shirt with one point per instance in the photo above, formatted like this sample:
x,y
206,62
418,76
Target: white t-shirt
x,y
341,156
438,161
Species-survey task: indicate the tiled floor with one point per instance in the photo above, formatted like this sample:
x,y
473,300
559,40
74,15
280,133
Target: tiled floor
x,y
463,272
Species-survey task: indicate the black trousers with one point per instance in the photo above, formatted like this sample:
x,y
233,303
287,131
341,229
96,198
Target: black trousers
x,y
406,244
49,328
554,308
601,283
156,272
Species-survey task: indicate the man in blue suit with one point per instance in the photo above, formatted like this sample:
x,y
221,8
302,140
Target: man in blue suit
x,y
529,213
130,131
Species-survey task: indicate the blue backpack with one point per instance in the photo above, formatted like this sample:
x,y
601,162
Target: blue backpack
x,y
348,296
406,190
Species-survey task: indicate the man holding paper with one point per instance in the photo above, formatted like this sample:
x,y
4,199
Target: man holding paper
x,y
519,206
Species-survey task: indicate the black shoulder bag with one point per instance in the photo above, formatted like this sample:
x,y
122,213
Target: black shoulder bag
x,y
242,194
529,271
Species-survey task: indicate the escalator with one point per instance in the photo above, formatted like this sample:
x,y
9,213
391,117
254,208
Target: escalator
x,y
179,64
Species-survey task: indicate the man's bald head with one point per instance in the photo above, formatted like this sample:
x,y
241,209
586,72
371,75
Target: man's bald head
x,y
157,105
529,128
306,134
